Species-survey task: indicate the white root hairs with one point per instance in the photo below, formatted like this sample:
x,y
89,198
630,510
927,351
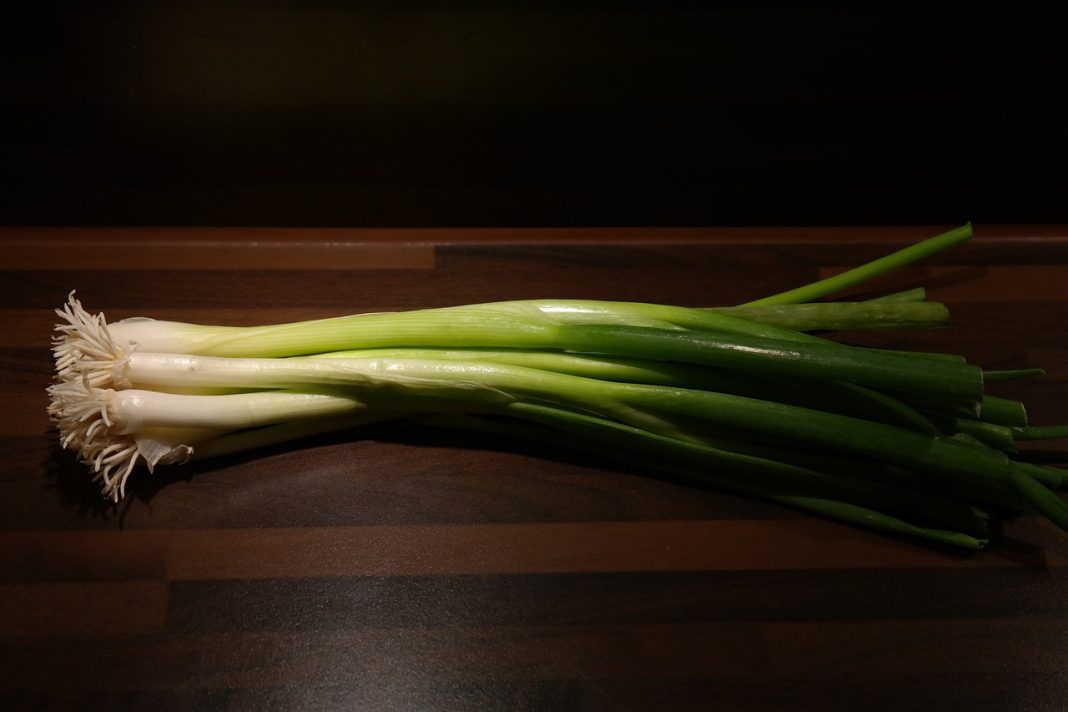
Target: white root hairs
x,y
80,412
89,366
83,347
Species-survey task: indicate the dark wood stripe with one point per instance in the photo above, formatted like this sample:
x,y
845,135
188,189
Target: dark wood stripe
x,y
413,692
270,659
107,555
612,236
761,255
25,369
349,603
993,691
978,692
1045,397
97,609
994,283
1055,361
869,650
25,414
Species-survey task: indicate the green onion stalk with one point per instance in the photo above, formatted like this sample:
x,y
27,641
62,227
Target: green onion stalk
x,y
752,399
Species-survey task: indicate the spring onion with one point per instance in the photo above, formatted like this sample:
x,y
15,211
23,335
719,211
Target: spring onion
x,y
746,398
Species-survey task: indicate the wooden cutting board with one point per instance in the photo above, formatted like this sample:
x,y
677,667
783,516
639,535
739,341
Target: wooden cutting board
x,y
396,568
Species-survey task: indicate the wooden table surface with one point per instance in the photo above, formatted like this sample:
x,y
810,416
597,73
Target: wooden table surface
x,y
407,569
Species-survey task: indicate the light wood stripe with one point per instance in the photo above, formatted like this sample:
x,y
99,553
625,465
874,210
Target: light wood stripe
x,y
570,547
201,254
552,548
98,608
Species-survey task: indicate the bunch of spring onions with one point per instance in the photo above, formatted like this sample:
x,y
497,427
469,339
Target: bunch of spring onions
x,y
744,398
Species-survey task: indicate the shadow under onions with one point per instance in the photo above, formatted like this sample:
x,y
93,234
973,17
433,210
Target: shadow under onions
x,y
81,495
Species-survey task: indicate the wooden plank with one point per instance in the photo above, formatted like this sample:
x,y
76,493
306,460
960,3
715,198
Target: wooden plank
x,y
118,255
986,284
380,290
976,692
25,414
398,568
555,548
615,598
608,236
96,609
878,651
267,659
936,692
398,694
1051,358
73,556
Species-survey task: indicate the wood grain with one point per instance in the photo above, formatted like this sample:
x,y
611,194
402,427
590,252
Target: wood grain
x,y
879,650
547,548
125,250
401,568
82,609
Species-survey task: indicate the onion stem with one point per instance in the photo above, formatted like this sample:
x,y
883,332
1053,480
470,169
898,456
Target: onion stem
x,y
742,398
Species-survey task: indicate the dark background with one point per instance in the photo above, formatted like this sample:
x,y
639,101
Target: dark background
x,y
260,112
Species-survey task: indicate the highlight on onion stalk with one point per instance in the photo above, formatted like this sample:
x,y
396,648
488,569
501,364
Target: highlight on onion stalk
x,y
743,398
